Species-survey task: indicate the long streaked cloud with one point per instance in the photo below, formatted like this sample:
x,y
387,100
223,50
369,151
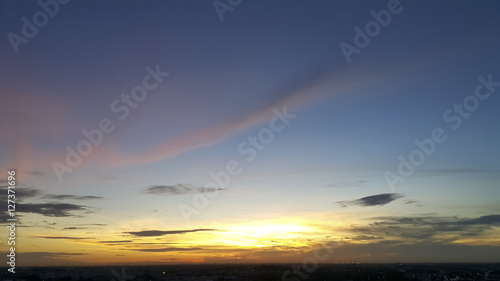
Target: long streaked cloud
x,y
49,209
65,237
429,228
54,209
53,254
178,189
115,241
373,200
86,226
315,85
21,193
73,228
169,249
147,233
73,197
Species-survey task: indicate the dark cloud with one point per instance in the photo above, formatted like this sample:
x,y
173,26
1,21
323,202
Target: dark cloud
x,y
374,200
428,228
53,209
29,192
178,189
47,209
167,232
21,193
65,237
389,251
4,215
73,197
153,243
116,241
171,249
73,227
490,220
53,254
365,237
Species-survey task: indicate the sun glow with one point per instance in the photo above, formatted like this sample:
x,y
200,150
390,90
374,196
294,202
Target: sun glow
x,y
260,235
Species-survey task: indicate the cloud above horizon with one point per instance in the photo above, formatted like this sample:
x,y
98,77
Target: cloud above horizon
x,y
49,209
74,197
65,237
148,233
178,189
373,200
169,249
429,228
53,209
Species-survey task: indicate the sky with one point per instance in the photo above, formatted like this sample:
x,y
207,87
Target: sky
x,y
149,132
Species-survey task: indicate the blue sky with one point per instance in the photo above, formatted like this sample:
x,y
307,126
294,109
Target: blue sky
x,y
352,121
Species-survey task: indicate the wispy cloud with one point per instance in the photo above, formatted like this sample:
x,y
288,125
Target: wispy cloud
x,y
74,228
428,227
170,249
49,209
311,87
22,193
178,189
116,241
54,209
53,254
73,197
147,233
374,200
65,237
416,202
